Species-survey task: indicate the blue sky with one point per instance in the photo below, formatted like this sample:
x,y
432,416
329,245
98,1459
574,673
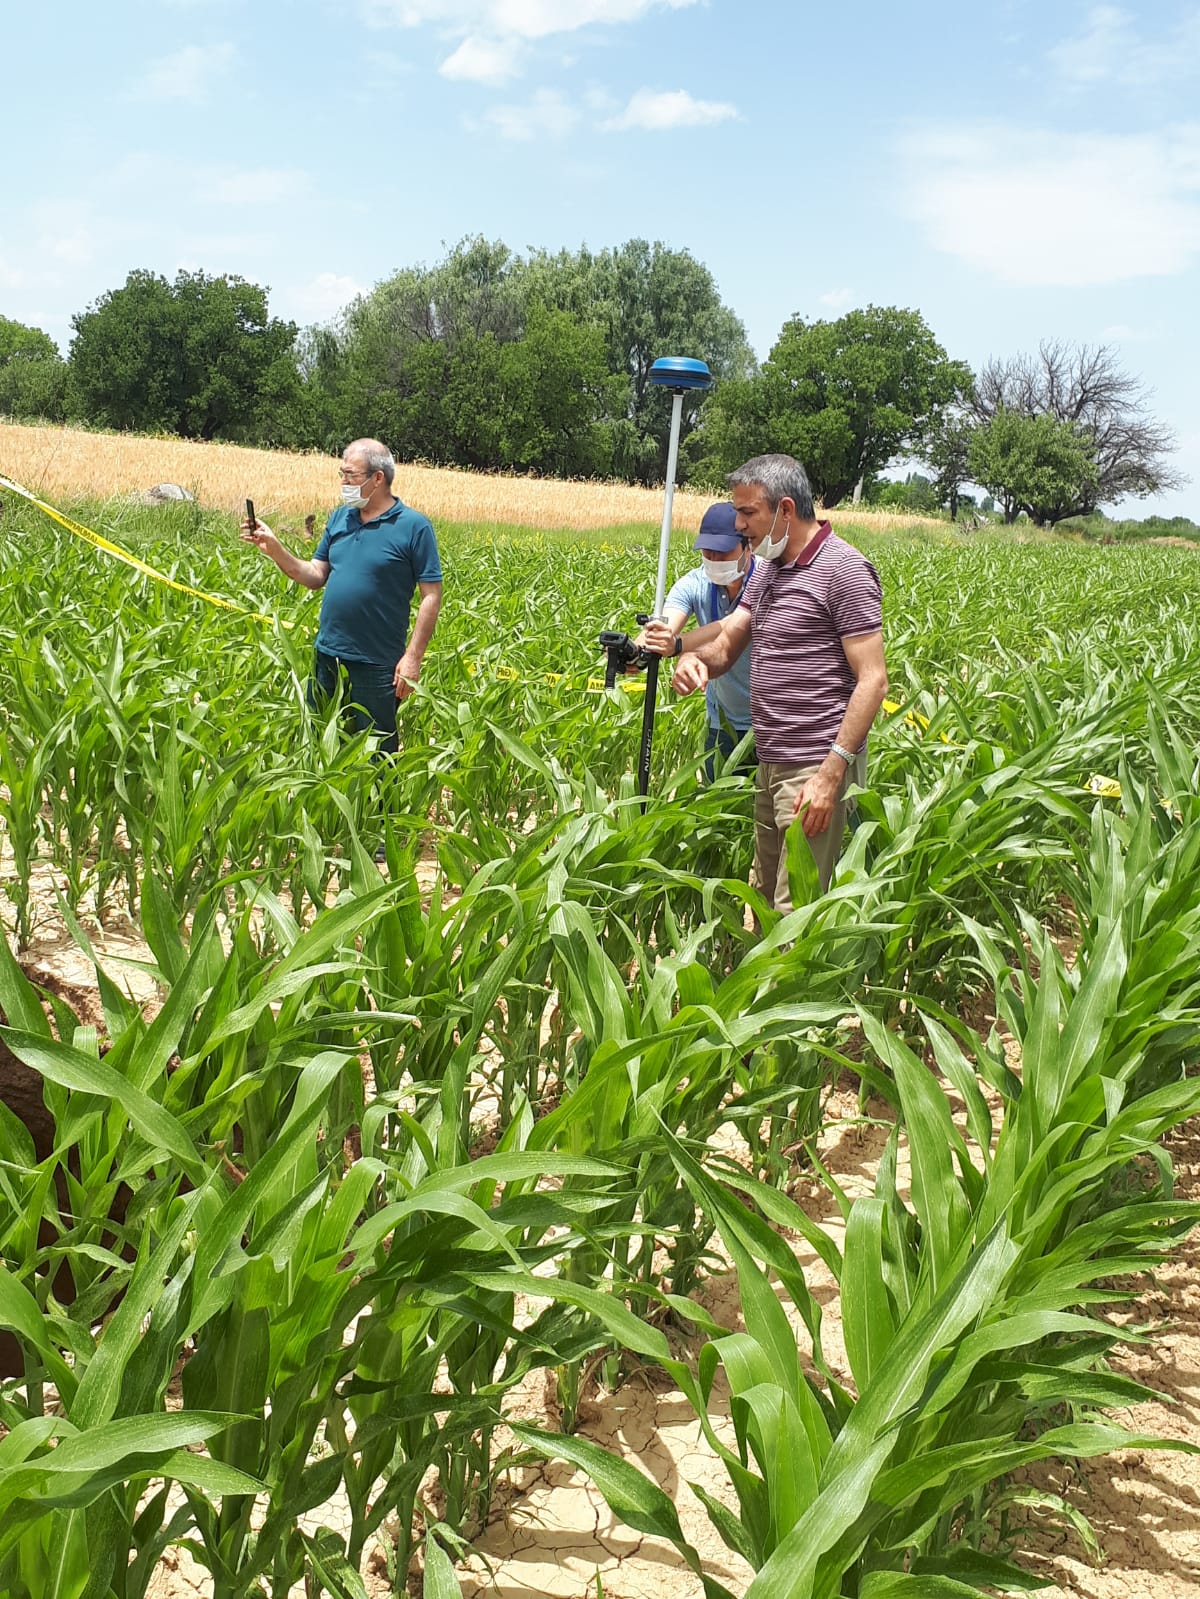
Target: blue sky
x,y
1015,170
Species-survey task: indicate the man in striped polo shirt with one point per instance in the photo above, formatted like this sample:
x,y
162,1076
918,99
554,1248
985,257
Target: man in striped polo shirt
x,y
812,615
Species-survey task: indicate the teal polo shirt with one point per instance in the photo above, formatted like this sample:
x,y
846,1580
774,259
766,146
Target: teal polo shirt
x,y
374,569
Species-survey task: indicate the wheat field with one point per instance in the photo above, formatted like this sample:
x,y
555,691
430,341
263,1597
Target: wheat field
x,y
58,462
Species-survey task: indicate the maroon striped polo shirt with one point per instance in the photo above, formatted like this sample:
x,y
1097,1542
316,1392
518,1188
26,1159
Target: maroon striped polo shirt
x,y
800,680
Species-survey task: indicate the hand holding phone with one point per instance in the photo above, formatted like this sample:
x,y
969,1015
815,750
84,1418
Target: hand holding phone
x,y
250,528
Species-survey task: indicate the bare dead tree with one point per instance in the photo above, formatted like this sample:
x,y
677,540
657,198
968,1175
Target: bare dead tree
x,y
1086,386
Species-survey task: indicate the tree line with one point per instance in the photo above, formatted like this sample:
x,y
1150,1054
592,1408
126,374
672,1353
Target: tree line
x,y
540,363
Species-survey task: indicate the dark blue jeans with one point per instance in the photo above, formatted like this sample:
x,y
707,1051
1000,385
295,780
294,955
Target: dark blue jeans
x,y
369,693
723,740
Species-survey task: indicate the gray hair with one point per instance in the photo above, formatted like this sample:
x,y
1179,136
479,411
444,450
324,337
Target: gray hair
x,y
376,458
780,477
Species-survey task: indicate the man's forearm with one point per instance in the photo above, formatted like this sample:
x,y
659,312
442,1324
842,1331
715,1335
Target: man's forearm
x,y
695,640
427,615
717,653
298,570
861,710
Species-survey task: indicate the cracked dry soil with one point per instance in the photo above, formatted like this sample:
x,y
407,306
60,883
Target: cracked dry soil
x,y
550,1532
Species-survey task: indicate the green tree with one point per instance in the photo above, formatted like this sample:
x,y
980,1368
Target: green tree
x,y
539,364
947,451
844,397
370,372
200,357
33,376
19,342
648,301
1084,388
1034,464
916,493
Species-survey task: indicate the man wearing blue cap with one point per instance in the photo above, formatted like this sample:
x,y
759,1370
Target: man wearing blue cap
x,y
710,593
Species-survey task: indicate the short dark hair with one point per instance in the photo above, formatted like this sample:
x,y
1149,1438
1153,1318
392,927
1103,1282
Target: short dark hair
x,y
780,477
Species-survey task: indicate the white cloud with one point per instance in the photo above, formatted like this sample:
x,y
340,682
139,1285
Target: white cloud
x,y
482,60
837,299
324,296
1110,49
188,74
491,37
672,109
535,19
548,115
522,19
1066,209
256,186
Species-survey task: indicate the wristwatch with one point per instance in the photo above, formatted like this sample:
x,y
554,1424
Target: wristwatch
x,y
678,650
847,755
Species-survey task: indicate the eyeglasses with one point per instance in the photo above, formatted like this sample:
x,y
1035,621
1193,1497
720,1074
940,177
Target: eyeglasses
x,y
349,475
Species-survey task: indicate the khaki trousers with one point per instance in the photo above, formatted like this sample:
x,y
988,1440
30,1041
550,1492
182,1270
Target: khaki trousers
x,y
775,811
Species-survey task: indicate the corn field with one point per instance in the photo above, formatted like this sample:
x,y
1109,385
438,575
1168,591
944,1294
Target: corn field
x,y
384,1142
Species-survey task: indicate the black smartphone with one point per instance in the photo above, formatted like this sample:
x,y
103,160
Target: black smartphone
x,y
251,515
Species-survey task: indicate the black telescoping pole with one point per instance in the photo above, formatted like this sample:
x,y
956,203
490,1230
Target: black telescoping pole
x,y
652,664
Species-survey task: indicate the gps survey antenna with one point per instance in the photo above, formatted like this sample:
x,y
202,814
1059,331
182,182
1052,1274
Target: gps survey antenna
x,y
680,375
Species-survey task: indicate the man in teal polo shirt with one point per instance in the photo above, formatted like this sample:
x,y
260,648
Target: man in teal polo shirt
x,y
375,553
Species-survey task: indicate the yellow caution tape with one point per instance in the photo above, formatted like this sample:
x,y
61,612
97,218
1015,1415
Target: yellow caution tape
x,y
109,548
595,685
509,674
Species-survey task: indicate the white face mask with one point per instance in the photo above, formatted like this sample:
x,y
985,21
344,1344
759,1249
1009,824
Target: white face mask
x,y
352,495
721,571
770,549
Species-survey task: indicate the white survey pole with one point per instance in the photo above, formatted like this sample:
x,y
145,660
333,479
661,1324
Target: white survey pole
x,y
664,541
679,374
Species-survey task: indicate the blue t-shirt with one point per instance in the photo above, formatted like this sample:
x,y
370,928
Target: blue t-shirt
x,y
728,695
374,569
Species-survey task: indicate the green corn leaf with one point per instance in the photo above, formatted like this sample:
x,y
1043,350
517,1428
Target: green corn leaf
x,y
903,1585
96,1399
932,1136
325,1557
732,1533
791,1572
1094,1006
955,1067
20,1311
868,1321
440,1581
984,1571
18,998
71,1069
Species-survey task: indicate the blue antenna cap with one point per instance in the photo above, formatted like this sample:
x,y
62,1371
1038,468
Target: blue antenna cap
x,y
680,372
